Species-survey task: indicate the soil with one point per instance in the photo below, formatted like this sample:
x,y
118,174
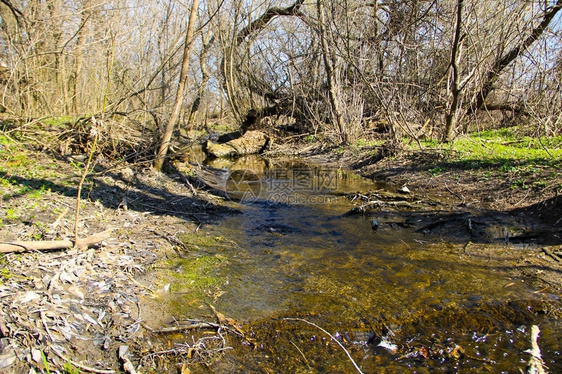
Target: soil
x,y
53,305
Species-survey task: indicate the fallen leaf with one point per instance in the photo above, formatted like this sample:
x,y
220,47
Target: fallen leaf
x,y
457,352
76,292
7,359
88,318
29,296
36,355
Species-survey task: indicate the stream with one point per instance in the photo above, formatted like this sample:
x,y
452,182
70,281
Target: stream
x,y
293,263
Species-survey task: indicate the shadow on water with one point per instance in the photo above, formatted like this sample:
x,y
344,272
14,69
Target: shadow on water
x,y
398,297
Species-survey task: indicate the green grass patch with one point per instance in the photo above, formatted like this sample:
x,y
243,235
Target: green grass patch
x,y
522,161
501,149
59,121
222,128
490,148
4,140
364,143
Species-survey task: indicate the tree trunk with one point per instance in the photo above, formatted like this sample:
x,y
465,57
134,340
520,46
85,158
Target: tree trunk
x,y
165,143
207,42
504,61
79,58
452,116
330,74
268,15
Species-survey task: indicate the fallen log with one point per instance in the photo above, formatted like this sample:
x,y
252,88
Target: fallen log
x,y
53,245
249,143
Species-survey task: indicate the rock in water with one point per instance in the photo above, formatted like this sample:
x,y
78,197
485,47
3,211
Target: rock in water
x,y
404,190
374,224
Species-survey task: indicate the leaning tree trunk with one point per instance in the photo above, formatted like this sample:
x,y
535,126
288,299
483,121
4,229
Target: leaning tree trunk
x,y
452,116
505,60
165,143
254,27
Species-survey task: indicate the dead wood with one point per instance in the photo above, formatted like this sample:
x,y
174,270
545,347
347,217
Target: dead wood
x,y
250,143
263,20
194,326
552,254
53,245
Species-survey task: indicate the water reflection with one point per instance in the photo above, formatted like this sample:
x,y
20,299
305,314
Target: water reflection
x,y
255,179
298,254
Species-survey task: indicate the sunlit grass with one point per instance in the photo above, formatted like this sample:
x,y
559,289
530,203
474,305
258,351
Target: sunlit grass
x,y
506,145
58,121
502,148
523,161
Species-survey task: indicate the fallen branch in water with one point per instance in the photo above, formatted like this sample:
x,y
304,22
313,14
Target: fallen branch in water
x,y
552,254
332,337
167,330
53,245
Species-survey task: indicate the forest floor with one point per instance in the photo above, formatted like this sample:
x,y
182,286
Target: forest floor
x,y
54,305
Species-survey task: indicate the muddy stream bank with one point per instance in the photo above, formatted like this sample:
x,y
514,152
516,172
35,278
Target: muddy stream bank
x,y
403,283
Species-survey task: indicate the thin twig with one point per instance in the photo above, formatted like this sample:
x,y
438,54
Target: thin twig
x,y
301,352
332,337
94,132
167,330
80,366
552,254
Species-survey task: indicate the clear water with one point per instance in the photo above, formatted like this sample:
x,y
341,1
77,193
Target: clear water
x,y
296,254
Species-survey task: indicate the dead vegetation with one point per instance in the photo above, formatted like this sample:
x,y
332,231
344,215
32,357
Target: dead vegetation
x,y
80,308
84,308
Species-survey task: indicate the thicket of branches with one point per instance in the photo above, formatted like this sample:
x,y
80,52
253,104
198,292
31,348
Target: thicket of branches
x,y
417,68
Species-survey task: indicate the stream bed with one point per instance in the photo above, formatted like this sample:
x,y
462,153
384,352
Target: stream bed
x,y
294,262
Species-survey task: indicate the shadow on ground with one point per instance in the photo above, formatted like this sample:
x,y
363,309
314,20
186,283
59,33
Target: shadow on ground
x,y
114,190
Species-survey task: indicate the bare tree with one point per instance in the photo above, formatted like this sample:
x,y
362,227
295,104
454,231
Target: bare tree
x,y
452,115
504,60
332,66
182,84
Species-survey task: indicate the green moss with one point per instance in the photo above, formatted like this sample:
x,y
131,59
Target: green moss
x,y
199,242
195,275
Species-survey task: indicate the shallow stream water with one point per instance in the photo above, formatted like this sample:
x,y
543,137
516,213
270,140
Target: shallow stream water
x,y
397,300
